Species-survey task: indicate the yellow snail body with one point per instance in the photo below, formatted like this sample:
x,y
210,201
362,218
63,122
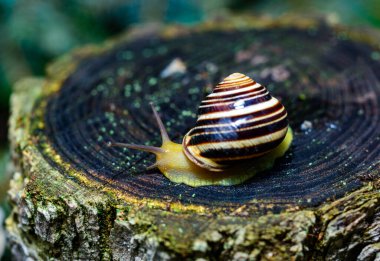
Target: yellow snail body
x,y
240,131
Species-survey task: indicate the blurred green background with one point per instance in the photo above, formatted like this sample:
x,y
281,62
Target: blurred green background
x,y
33,32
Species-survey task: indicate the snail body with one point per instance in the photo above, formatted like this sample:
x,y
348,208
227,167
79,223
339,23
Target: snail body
x,y
241,130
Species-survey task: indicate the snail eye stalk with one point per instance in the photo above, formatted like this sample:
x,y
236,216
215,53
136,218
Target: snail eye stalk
x,y
156,150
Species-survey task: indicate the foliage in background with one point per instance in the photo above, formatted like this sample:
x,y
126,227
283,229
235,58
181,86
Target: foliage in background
x,y
4,209
4,158
349,12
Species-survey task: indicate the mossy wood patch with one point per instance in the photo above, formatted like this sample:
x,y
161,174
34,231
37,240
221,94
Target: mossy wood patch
x,y
74,197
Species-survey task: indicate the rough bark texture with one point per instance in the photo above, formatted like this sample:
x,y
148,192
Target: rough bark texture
x,y
65,207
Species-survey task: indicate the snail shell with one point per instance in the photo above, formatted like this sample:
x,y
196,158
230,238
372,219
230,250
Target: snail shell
x,y
239,120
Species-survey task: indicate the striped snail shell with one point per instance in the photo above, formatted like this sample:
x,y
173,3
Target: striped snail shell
x,y
239,120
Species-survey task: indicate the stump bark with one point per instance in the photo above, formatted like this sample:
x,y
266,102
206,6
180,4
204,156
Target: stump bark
x,y
75,198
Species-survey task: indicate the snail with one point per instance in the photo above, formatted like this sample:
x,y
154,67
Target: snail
x,y
240,130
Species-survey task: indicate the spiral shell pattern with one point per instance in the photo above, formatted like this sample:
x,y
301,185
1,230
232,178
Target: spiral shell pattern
x,y
239,120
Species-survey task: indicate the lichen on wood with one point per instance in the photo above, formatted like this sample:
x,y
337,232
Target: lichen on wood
x,y
75,198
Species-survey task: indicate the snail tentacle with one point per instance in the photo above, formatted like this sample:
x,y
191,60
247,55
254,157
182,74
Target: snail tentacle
x,y
163,153
156,150
164,133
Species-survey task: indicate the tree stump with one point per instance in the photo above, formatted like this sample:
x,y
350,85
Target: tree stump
x,y
75,198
